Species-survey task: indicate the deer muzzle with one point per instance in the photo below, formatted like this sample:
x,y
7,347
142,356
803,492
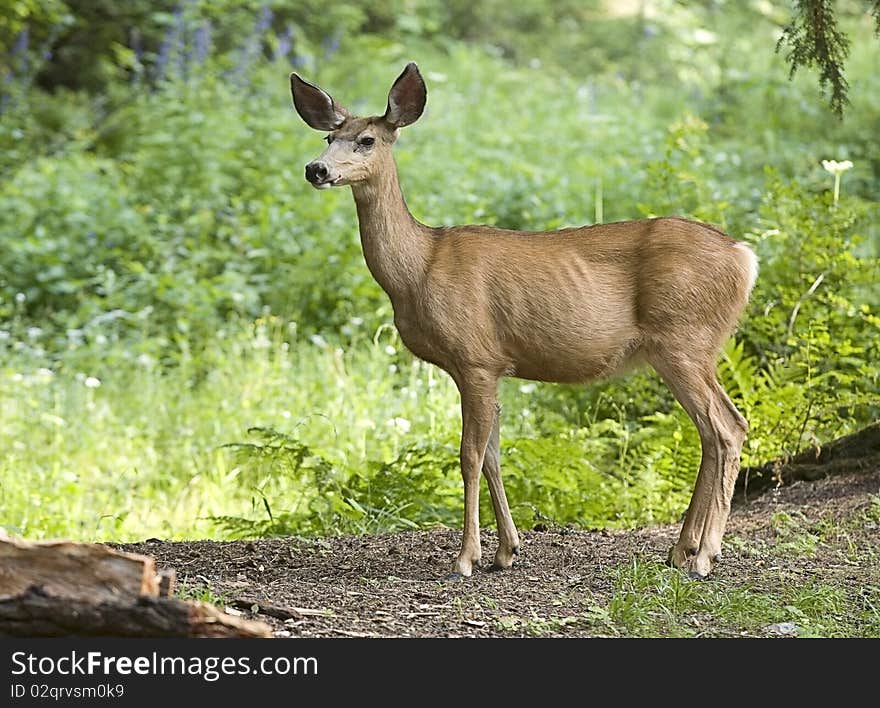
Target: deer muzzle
x,y
316,174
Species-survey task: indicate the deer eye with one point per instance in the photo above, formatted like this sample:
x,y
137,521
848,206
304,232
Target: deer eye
x,y
366,141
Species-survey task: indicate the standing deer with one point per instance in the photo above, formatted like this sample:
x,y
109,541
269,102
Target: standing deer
x,y
561,306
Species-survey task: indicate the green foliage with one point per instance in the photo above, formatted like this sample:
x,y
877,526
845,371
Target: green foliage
x,y
168,280
604,475
815,342
814,38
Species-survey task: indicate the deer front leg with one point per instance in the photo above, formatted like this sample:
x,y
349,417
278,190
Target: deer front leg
x,y
508,537
477,390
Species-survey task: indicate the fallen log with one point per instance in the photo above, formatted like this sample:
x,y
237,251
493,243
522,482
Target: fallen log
x,y
857,452
34,613
78,571
60,588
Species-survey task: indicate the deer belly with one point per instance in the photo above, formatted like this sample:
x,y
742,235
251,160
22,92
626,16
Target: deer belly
x,y
573,359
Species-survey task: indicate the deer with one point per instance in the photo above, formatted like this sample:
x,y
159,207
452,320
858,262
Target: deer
x,y
571,305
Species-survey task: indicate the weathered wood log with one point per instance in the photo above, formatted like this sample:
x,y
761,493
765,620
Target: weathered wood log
x,y
167,582
34,613
78,571
59,588
857,452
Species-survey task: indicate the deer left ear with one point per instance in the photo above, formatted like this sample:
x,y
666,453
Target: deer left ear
x,y
407,98
315,106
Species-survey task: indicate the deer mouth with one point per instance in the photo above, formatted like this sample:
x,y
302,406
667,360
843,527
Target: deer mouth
x,y
327,183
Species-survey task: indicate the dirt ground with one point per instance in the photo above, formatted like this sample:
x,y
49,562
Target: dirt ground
x,y
389,585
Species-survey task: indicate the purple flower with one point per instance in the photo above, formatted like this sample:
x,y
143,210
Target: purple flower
x,y
202,43
330,45
264,20
22,40
282,49
172,45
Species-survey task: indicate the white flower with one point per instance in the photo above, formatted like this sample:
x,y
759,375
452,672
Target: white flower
x,y
703,36
835,167
53,419
92,382
390,351
317,340
145,360
528,388
400,425
20,298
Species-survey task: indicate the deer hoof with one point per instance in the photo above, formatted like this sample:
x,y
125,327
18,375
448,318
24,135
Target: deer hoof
x,y
680,557
697,563
504,558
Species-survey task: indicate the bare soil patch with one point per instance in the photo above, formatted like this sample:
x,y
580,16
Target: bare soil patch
x,y
390,585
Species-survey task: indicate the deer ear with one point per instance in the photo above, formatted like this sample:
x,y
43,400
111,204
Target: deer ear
x,y
407,98
315,106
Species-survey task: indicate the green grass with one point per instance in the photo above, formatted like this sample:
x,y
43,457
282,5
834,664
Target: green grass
x,y
270,432
652,600
793,535
195,591
140,453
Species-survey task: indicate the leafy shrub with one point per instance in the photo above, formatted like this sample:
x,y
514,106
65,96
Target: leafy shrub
x,y
158,238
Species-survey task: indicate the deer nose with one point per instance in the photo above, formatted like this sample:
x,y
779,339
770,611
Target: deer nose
x,y
316,172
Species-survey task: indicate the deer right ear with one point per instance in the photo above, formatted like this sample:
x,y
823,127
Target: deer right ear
x,y
407,98
315,106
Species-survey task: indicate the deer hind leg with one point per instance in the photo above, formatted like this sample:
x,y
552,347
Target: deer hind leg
x,y
478,389
508,537
722,430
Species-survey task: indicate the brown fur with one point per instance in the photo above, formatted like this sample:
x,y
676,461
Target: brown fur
x,y
568,306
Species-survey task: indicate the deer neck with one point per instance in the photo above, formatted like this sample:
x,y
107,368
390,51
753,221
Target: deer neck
x,y
397,248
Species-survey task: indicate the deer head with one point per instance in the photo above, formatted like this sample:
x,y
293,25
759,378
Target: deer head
x,y
358,148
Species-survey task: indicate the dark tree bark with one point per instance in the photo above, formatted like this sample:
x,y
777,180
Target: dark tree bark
x,y
34,613
858,452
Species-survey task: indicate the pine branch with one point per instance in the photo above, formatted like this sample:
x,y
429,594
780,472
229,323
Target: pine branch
x,y
814,39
